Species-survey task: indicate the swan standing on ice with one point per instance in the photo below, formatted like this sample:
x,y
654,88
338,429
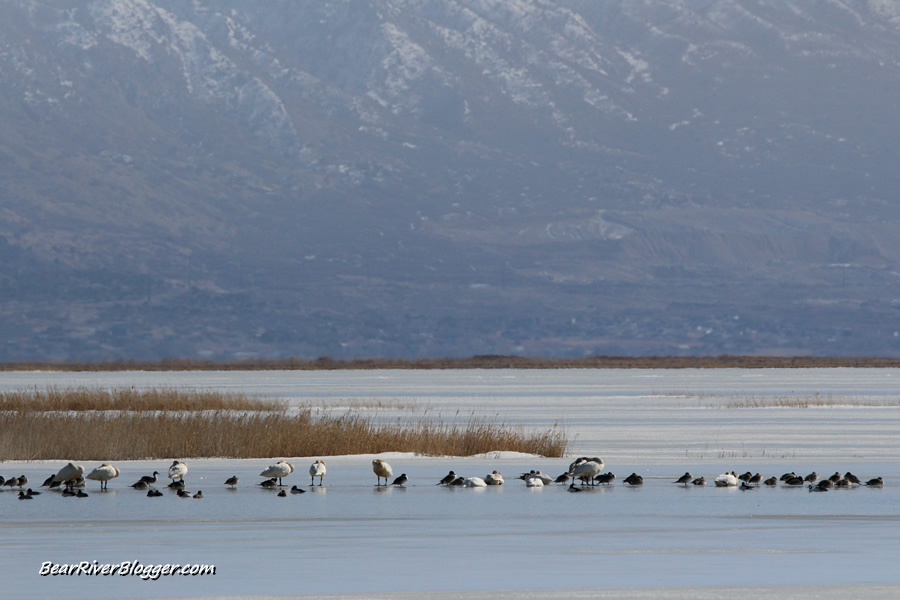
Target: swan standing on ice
x,y
494,478
232,481
178,470
68,475
317,470
726,480
586,468
103,474
381,469
280,469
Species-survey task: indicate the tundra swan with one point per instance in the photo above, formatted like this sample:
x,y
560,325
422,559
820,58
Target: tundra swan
x,y
69,475
103,474
381,469
280,469
178,470
534,480
317,470
494,478
726,480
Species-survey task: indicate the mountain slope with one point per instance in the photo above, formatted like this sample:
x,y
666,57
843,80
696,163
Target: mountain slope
x,y
447,178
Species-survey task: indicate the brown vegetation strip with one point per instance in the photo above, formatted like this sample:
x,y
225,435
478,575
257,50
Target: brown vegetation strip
x,y
80,399
80,425
473,362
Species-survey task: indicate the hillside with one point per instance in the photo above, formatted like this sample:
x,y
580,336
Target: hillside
x,y
232,180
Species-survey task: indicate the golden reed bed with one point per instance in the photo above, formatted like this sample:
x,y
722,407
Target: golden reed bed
x,y
91,424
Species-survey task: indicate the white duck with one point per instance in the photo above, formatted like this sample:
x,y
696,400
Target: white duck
x,y
727,480
178,470
382,469
103,474
317,470
280,469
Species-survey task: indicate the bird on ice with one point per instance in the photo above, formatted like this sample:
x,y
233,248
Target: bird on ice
x,y
280,469
448,479
586,469
494,478
232,481
727,480
533,480
381,469
634,479
401,481
68,475
103,474
317,470
146,480
604,478
685,479
178,470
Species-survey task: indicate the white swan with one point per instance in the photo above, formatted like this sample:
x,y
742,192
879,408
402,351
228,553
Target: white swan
x,y
103,474
382,469
727,480
280,469
494,478
178,470
473,482
69,474
534,481
317,470
586,470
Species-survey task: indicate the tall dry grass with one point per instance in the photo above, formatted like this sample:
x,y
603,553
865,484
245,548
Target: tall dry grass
x,y
161,399
126,433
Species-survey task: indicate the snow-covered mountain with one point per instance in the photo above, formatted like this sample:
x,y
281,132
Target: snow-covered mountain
x,y
426,178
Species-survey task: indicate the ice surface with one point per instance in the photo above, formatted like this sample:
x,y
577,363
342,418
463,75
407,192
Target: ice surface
x,y
658,541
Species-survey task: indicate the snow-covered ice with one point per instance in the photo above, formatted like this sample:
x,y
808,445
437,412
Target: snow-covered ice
x,y
657,541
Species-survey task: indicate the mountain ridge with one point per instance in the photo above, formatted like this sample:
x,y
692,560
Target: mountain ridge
x,y
408,179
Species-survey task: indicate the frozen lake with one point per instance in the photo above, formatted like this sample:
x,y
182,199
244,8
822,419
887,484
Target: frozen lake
x,y
657,541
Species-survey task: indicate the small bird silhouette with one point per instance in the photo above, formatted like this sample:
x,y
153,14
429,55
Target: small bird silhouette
x,y
685,479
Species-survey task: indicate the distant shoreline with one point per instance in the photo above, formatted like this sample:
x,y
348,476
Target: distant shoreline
x,y
472,362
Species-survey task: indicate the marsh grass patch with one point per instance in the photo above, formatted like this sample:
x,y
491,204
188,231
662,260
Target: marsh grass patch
x,y
134,425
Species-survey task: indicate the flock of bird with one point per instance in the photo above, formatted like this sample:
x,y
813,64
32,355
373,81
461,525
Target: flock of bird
x,y
588,471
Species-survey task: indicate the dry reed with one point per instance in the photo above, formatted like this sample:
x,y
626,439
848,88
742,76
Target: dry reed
x,y
165,399
75,428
